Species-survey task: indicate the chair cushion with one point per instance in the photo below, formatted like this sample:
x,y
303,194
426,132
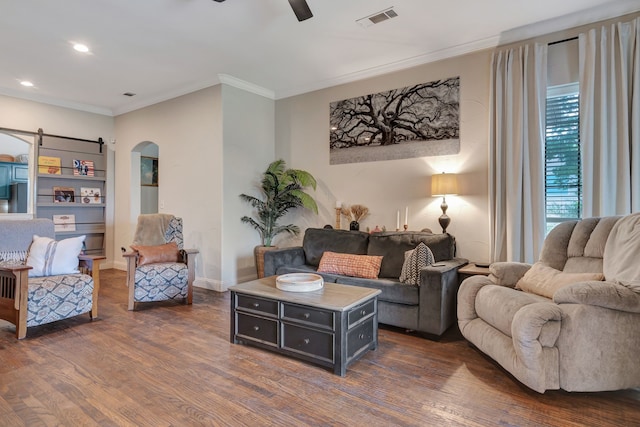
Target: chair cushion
x,y
59,297
158,253
620,262
161,281
49,257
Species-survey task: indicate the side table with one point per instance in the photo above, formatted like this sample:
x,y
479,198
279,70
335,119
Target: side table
x,y
471,270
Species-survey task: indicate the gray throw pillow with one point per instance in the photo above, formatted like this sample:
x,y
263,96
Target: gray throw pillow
x,y
414,261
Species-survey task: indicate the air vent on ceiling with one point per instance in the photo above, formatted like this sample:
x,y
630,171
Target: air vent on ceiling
x,y
377,18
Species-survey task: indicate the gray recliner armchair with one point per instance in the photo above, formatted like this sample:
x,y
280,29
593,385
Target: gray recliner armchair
x,y
557,324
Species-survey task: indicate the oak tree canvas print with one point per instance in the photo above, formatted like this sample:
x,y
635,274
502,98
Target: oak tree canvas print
x,y
414,121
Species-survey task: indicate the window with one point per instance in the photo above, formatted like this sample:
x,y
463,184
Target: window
x,y
563,180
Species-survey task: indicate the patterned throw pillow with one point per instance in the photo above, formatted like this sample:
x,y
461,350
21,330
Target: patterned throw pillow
x,y
414,261
365,266
50,258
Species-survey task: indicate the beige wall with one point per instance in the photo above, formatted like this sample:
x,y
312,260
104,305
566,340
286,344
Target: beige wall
x,y
302,139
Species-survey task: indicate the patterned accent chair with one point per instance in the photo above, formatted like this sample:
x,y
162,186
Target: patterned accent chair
x,y
159,279
31,301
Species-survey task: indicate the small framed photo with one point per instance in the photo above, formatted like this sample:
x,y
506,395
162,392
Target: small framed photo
x,y
149,171
64,195
90,195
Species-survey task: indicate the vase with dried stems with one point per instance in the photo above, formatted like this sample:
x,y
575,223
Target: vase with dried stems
x,y
281,190
355,214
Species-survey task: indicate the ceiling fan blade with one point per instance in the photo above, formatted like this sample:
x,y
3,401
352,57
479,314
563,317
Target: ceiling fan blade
x,y
301,9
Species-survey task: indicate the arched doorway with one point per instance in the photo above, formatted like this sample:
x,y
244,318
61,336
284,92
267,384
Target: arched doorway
x,y
144,174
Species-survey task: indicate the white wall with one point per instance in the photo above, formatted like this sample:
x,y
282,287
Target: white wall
x,y
249,147
302,139
188,132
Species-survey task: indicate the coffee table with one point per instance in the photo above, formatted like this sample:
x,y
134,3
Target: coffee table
x,y
332,327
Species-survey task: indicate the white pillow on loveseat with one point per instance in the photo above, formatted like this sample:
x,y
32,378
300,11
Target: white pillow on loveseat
x,y
49,257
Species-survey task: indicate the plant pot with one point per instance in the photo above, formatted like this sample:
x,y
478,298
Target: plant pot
x,y
354,226
258,254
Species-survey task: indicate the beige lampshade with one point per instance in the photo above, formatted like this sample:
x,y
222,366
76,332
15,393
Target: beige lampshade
x,y
444,184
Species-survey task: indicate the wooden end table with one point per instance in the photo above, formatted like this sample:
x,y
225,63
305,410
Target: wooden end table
x,y
331,327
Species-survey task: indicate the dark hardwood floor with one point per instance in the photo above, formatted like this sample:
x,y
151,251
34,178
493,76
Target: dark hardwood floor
x,y
173,365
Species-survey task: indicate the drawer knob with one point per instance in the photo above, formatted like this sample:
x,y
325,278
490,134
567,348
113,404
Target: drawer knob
x,y
361,336
307,315
256,328
256,304
363,312
306,340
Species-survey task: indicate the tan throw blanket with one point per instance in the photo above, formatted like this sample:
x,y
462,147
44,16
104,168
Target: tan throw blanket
x,y
151,229
620,260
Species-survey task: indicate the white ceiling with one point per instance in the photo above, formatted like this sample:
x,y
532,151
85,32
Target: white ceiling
x,y
159,49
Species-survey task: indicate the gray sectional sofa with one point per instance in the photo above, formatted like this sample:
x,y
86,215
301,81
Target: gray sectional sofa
x,y
429,308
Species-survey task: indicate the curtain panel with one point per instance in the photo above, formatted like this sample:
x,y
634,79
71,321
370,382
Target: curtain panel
x,y
516,152
610,118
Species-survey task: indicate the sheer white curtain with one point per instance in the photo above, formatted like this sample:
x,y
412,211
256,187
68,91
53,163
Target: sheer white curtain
x,y
516,159
610,119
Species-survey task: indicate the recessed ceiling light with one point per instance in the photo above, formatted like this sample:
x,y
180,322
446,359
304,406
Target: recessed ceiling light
x,y
26,83
81,47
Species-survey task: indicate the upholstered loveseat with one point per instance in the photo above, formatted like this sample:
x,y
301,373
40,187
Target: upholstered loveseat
x,y
556,323
428,307
57,284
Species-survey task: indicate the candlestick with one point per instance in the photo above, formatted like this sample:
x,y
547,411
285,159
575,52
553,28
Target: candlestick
x,y
338,211
338,204
406,215
398,220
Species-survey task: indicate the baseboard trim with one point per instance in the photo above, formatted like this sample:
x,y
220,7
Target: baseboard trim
x,y
213,285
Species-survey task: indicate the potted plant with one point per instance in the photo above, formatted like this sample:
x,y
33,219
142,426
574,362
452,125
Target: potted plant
x,y
281,190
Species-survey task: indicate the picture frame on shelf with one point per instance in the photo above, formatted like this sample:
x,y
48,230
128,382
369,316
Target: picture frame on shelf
x,y
65,222
49,165
83,167
64,195
149,171
90,195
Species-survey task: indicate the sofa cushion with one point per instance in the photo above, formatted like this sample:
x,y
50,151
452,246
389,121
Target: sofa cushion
x,y
414,261
393,245
543,280
318,240
365,266
392,290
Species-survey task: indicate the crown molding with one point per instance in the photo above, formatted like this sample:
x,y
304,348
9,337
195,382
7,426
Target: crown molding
x,y
56,102
247,86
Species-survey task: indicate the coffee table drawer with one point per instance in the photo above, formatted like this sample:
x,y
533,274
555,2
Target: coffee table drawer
x,y
257,328
358,313
359,338
258,305
310,315
310,342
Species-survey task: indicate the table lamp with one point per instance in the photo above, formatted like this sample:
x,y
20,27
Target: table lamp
x,y
444,184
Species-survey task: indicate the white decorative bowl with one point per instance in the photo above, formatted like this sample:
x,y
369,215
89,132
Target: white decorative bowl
x,y
299,282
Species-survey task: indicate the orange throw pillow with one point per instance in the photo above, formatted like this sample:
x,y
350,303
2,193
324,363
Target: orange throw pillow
x,y
160,253
365,266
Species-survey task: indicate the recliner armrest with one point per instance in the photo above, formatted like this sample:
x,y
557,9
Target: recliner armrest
x,y
602,294
277,258
507,273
